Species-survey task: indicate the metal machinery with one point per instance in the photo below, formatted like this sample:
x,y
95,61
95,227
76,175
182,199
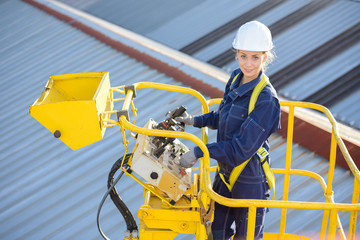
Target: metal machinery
x,y
176,200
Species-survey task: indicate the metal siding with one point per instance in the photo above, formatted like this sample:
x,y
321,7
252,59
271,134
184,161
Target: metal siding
x,y
282,11
348,110
198,21
314,31
48,191
171,26
323,75
139,16
268,18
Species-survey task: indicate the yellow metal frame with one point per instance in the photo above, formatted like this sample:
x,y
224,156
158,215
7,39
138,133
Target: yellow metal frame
x,y
331,221
159,219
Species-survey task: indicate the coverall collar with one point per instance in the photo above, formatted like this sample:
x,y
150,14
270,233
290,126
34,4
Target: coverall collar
x,y
244,88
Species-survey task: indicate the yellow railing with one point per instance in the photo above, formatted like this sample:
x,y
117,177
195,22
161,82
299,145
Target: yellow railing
x,y
333,208
330,208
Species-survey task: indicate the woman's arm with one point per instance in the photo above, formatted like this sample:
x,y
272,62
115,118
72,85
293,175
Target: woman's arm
x,y
255,130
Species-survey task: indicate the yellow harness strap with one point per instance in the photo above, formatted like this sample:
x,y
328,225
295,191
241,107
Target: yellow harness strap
x,y
261,152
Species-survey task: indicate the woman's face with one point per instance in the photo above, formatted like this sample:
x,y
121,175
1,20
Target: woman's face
x,y
250,63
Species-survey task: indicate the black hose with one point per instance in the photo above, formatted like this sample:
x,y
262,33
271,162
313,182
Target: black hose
x,y
100,206
125,212
115,197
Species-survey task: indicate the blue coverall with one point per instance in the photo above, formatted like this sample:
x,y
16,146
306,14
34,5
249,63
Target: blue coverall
x,y
239,136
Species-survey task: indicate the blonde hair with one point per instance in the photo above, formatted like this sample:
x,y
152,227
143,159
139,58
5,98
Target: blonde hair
x,y
270,58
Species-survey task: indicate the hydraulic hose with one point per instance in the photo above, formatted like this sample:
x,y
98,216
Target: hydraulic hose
x,y
115,197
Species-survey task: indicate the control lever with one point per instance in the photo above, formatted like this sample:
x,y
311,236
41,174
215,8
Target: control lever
x,y
168,124
178,112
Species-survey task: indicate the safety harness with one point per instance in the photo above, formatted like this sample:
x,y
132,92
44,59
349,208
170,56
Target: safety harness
x,y
261,152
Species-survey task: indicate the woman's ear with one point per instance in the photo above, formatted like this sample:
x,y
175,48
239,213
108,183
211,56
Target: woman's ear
x,y
265,57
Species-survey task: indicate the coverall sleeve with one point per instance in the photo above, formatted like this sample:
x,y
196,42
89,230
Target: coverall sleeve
x,y
255,130
210,120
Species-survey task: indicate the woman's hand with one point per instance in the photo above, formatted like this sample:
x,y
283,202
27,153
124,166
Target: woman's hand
x,y
188,159
185,118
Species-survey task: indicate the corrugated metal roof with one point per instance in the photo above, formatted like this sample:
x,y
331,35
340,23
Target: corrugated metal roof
x,y
126,13
335,67
324,25
173,25
48,191
345,111
192,22
268,18
199,20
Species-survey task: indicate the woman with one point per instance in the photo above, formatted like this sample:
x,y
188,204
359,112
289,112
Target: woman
x,y
241,133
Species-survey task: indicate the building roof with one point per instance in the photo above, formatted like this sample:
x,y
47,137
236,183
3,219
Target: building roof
x,y
206,29
51,192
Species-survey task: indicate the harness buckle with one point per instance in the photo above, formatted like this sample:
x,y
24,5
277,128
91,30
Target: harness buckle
x,y
262,153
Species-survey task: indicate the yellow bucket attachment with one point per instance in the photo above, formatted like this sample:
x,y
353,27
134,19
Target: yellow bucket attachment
x,y
71,107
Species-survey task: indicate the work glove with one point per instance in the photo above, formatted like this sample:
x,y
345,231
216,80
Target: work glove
x,y
188,159
185,118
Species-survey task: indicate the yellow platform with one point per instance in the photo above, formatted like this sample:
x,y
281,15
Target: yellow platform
x,y
71,107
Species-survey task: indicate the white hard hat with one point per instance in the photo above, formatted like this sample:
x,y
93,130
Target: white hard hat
x,y
253,36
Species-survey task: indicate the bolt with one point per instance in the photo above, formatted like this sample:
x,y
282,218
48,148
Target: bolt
x,y
183,226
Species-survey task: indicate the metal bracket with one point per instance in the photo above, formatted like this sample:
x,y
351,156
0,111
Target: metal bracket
x,y
131,87
125,113
263,154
